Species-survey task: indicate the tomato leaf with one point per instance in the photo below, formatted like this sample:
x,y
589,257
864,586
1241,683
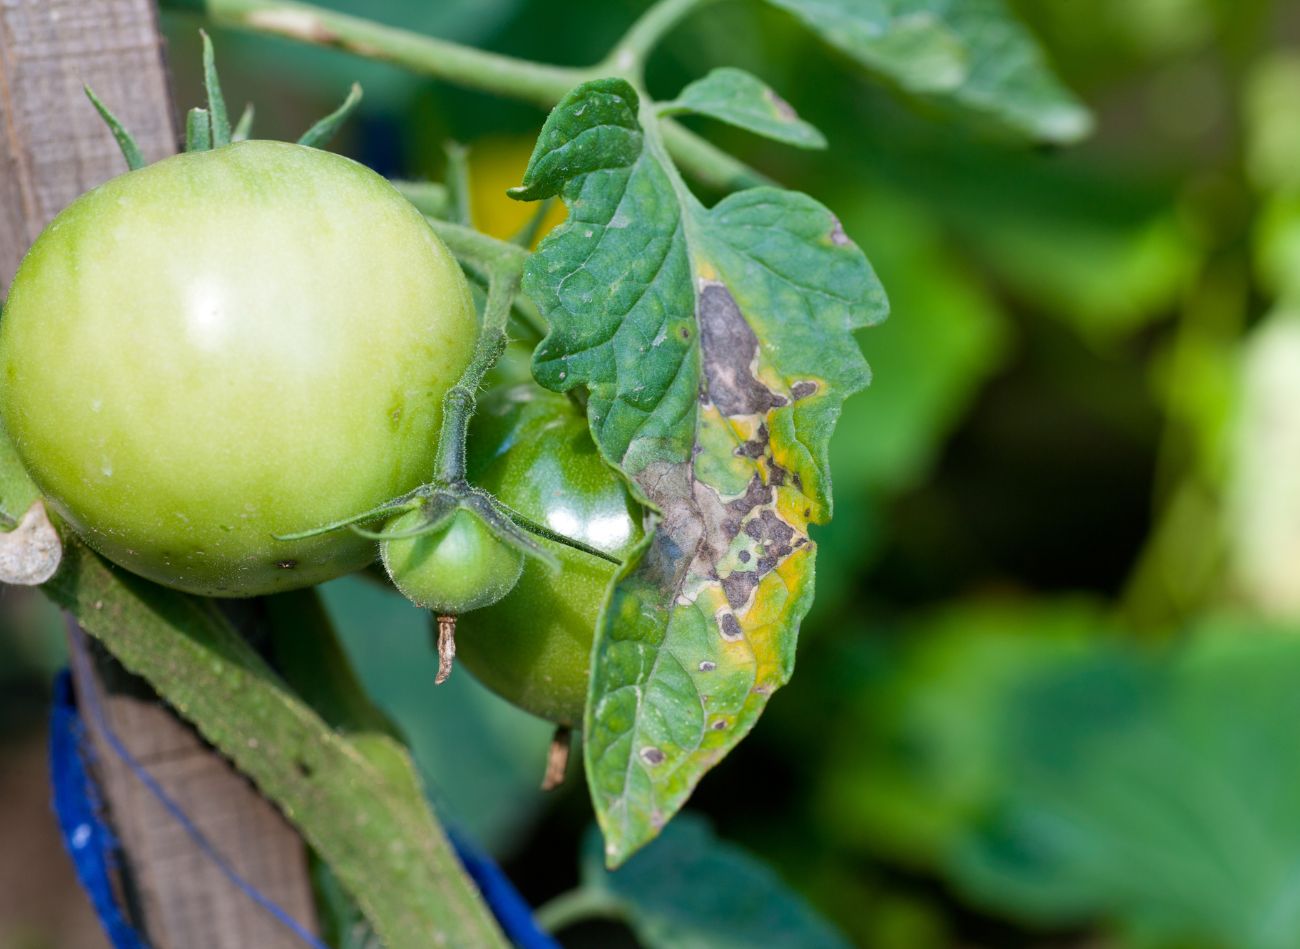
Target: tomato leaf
x,y
716,346
972,53
743,100
660,895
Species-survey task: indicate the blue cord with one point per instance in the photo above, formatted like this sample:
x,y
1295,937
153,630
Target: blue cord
x,y
510,908
142,774
76,808
92,846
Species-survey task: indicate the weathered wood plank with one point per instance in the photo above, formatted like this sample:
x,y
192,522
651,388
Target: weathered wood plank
x,y
52,148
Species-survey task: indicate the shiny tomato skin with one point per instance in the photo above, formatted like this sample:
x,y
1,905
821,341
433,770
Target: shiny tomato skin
x,y
460,568
226,346
533,450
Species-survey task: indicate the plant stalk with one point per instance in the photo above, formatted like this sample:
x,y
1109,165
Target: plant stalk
x,y
541,84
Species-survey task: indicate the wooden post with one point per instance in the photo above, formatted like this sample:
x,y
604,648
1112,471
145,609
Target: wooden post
x,y
52,148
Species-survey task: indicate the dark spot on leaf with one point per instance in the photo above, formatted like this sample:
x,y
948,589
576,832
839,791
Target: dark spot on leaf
x,y
838,237
801,390
744,556
287,564
756,494
800,541
304,768
707,666
784,110
767,565
729,346
652,756
776,475
739,586
730,628
719,725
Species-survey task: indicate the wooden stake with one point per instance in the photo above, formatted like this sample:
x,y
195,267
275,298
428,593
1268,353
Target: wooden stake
x,y
53,147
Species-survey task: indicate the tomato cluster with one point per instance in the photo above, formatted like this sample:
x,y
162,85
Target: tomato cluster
x,y
205,355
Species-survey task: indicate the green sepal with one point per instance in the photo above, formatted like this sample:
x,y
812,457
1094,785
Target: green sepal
x,y
244,128
217,115
125,141
198,131
324,130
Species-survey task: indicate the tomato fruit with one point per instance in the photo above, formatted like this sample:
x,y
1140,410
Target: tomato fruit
x,y
460,568
532,449
226,346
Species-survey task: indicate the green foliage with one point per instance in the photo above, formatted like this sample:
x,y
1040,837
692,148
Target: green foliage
x,y
715,346
1158,795
919,748
740,99
971,52
657,894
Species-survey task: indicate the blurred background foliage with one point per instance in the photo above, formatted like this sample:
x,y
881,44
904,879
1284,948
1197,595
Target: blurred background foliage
x,y
1048,692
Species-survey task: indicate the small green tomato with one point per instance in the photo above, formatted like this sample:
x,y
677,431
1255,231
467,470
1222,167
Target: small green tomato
x,y
460,568
533,450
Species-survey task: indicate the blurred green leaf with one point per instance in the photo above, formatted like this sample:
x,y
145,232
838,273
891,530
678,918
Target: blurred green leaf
x,y
741,99
917,758
973,52
691,890
1272,121
481,758
947,335
1157,794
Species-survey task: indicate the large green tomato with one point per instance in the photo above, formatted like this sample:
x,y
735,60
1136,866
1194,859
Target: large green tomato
x,y
227,346
532,449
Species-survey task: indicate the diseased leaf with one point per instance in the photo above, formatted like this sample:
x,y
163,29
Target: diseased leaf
x,y
690,890
741,99
971,52
716,346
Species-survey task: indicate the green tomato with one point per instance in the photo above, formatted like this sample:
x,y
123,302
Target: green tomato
x,y
533,450
460,568
227,346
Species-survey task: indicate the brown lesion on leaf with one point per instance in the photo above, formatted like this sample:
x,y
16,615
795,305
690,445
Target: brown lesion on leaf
x,y
705,539
784,110
729,350
803,389
838,237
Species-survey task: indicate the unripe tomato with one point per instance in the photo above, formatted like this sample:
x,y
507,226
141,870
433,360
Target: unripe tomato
x,y
533,450
226,346
460,568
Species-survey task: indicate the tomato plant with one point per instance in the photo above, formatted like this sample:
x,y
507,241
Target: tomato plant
x,y
224,370
287,368
532,449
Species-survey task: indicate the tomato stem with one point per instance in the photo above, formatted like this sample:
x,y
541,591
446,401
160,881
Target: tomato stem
x,y
541,84
446,647
557,758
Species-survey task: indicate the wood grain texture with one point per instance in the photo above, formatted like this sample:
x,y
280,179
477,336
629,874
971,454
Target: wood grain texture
x,y
53,147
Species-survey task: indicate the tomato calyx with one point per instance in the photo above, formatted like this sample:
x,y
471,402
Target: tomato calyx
x,y
209,128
